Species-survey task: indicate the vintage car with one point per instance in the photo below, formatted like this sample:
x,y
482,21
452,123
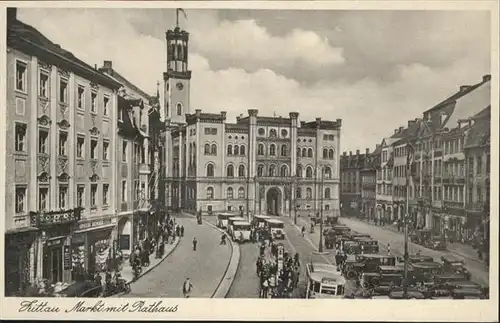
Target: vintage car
x,y
421,236
331,220
87,288
353,235
467,293
437,243
412,294
368,245
423,272
386,277
454,265
413,259
367,263
351,247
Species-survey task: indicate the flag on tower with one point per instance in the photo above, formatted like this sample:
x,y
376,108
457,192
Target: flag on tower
x,y
183,12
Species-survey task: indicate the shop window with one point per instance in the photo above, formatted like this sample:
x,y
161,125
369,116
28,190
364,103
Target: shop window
x,y
20,199
80,195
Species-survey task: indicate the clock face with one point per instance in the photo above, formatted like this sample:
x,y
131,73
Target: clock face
x,y
180,86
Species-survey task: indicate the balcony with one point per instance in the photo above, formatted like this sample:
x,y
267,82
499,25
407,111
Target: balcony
x,y
51,218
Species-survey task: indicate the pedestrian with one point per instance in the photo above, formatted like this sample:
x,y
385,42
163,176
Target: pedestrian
x,y
195,242
303,231
223,239
296,260
182,231
187,287
177,230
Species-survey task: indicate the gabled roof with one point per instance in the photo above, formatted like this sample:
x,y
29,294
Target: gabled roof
x,y
119,78
480,132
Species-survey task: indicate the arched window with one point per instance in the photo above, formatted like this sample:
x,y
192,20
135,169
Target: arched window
x,y
210,170
210,193
179,109
284,171
309,193
310,152
330,153
229,150
327,193
328,172
241,193
272,150
309,172
298,152
299,171
298,193
207,149
272,171
214,149
180,52
325,153
242,150
229,193
260,170
304,152
230,171
172,50
260,150
236,150
241,171
284,150
272,133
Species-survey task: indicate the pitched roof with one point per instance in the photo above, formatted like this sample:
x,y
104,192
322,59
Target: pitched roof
x,y
480,132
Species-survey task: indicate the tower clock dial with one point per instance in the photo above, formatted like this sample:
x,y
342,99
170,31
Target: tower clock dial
x,y
179,86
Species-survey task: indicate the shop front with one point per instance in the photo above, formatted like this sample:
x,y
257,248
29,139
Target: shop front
x,y
125,234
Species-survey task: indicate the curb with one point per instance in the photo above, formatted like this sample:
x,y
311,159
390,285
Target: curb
x,y
232,267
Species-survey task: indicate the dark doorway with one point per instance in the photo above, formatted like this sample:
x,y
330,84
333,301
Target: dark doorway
x,y
273,199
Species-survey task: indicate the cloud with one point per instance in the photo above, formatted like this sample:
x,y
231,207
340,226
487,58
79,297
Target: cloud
x,y
370,109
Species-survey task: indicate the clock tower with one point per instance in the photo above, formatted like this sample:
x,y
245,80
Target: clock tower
x,y
177,77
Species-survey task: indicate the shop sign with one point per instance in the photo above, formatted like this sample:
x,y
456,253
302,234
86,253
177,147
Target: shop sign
x,y
93,224
54,242
67,258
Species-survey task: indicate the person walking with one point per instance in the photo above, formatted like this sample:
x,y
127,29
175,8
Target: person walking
x,y
195,242
222,239
186,288
182,231
303,231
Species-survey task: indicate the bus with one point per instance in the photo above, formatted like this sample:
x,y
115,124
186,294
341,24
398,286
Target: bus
x,y
222,219
260,220
241,231
324,281
230,222
276,228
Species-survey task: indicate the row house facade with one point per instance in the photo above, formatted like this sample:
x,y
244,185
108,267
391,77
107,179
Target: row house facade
x,y
61,133
368,173
351,182
269,165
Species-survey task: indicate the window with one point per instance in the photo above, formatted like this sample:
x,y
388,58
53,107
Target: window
x,y
330,153
80,146
124,191
93,104
241,193
63,197
213,150
273,133
230,171
93,148
284,150
479,198
304,152
325,153
120,113
43,138
479,166
93,195
236,150
81,97
310,153
309,172
20,199
284,133
63,142
80,195
229,150
241,171
272,171
242,150
207,149
210,193
105,104
179,109
21,76
488,164
260,150
272,150
328,172
262,131
308,193
20,140
210,170
298,152
124,150
260,170
105,150
43,198
284,171
298,193
105,194
299,171
44,85
229,193
63,91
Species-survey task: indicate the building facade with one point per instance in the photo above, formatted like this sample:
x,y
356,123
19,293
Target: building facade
x,y
351,183
268,165
61,138
368,175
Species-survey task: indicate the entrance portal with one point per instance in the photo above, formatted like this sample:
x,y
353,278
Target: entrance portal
x,y
273,198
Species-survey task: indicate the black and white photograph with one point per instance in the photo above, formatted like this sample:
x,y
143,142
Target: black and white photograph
x,y
268,151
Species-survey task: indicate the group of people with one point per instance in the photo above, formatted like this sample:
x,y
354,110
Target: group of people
x,y
277,281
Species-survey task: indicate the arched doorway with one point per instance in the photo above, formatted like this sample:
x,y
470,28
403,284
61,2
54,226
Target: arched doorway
x,y
273,199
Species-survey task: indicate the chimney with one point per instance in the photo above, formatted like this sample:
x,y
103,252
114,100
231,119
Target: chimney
x,y
11,14
401,129
367,151
464,87
411,123
223,114
339,122
486,78
197,112
108,65
350,153
378,145
357,151
345,153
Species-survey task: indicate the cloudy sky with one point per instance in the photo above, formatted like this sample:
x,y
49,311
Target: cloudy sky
x,y
373,69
